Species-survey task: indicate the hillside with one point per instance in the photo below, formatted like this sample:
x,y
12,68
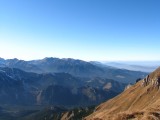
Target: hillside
x,y
141,101
60,114
47,113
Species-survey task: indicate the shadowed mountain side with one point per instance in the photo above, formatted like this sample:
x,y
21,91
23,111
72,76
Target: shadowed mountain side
x,y
25,88
49,113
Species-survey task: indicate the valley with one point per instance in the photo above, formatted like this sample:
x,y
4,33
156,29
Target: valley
x,y
31,88
79,60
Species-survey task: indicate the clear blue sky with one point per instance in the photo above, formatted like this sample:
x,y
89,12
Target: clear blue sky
x,y
81,29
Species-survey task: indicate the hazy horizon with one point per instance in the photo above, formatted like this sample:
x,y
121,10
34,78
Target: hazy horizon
x,y
89,30
102,61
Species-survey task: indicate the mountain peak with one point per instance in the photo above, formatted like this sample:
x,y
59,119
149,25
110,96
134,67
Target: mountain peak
x,y
13,59
49,58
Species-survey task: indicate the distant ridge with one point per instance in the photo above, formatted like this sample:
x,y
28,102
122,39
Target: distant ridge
x,y
78,68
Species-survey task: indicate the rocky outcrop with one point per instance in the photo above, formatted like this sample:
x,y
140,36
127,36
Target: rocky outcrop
x,y
153,79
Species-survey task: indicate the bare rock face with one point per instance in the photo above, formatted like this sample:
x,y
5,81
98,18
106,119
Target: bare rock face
x,y
153,79
139,102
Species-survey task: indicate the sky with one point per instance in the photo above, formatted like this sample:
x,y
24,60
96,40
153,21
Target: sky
x,y
102,30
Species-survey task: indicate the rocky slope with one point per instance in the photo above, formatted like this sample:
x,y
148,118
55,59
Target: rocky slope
x,y
139,102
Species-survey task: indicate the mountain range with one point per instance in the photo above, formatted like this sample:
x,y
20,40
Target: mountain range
x,y
54,82
26,88
74,67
